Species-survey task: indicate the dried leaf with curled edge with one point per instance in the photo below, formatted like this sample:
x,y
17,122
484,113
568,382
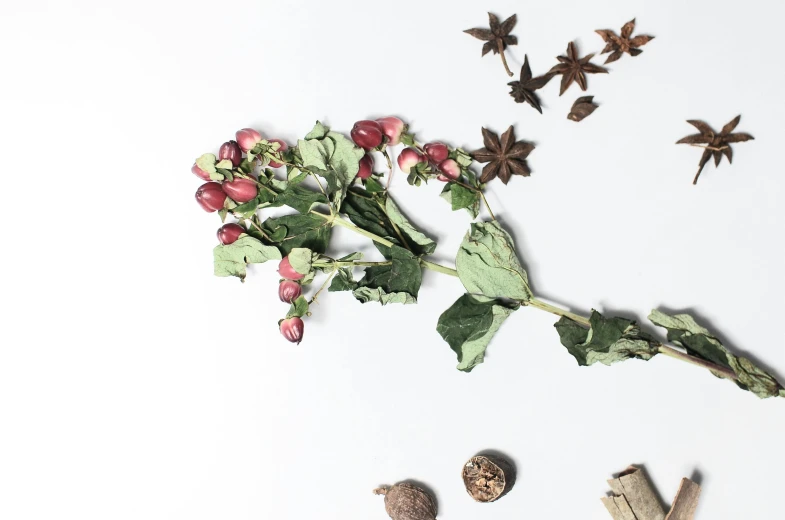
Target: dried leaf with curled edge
x,y
405,501
582,108
620,44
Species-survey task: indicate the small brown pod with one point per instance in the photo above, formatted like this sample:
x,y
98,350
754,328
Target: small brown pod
x,y
487,478
582,108
405,501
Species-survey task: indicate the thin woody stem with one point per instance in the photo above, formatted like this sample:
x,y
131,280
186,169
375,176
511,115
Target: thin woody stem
x,y
712,148
695,180
500,45
389,167
315,296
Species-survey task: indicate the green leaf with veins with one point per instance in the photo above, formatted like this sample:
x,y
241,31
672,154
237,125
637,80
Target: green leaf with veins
x,y
301,231
461,198
468,326
416,239
685,332
372,185
232,259
487,264
298,308
343,281
302,259
206,162
398,282
607,341
351,257
300,198
334,157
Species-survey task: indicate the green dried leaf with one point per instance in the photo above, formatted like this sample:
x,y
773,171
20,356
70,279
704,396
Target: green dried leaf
x,y
248,209
206,162
300,198
343,281
607,341
302,259
424,245
335,157
395,283
487,264
468,326
301,231
231,259
373,186
299,308
472,207
685,332
351,257
226,164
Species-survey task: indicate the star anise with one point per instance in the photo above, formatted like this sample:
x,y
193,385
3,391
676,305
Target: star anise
x,y
715,144
523,89
621,44
573,68
505,157
497,38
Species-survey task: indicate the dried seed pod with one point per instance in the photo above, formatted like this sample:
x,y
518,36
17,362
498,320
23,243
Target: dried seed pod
x,y
582,108
487,479
405,501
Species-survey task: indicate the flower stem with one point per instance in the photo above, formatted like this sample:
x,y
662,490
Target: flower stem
x,y
389,167
500,44
558,311
438,268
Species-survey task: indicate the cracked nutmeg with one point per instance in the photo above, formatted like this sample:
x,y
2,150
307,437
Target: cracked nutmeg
x,y
487,479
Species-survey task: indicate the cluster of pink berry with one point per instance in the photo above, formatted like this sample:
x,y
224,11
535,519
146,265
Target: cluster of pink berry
x,y
211,195
288,291
370,135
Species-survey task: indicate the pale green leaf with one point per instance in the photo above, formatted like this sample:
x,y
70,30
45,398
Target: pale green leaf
x,y
232,259
427,246
207,163
302,259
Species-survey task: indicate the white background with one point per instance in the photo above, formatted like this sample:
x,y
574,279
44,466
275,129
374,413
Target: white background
x,y
135,385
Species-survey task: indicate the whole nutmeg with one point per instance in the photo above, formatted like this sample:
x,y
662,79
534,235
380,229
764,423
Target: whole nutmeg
x,y
405,501
289,290
487,478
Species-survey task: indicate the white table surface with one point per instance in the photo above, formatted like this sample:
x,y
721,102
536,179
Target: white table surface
x,y
135,385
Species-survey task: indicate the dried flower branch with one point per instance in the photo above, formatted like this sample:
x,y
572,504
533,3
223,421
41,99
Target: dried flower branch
x,y
619,44
497,37
715,144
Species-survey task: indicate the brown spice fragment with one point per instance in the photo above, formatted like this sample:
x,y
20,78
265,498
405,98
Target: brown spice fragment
x,y
633,485
405,501
582,108
485,479
686,501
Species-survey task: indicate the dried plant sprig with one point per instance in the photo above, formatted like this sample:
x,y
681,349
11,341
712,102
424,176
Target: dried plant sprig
x,y
715,144
497,37
618,44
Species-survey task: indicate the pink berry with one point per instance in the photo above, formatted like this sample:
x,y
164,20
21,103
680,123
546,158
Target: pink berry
x,y
284,146
241,189
437,152
247,138
367,134
292,329
450,171
286,270
392,127
200,172
366,167
229,233
210,196
408,158
289,290
231,150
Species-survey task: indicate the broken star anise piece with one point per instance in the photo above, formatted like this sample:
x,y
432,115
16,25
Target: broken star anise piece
x,y
497,37
505,157
621,44
582,108
523,89
714,144
573,68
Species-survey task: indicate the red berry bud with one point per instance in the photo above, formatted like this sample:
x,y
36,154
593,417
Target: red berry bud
x,y
200,172
210,196
284,146
366,167
392,127
241,189
437,152
231,150
288,291
247,138
450,171
408,158
229,233
286,270
367,134
292,329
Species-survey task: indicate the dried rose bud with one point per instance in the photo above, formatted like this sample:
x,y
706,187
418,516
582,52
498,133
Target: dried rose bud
x,y
436,152
231,150
229,233
247,138
487,478
450,171
286,270
200,172
392,127
366,167
283,147
292,329
210,196
408,158
367,134
406,501
289,290
241,189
